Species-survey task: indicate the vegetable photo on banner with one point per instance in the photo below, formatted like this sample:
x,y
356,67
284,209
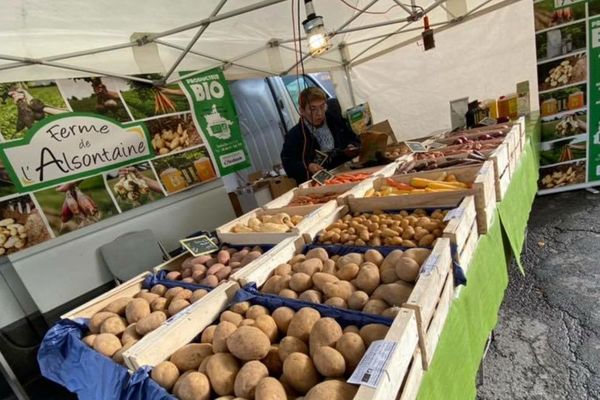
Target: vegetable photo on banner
x,y
134,186
22,104
146,100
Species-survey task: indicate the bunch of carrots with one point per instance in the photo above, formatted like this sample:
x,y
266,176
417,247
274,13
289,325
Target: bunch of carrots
x,y
348,178
444,183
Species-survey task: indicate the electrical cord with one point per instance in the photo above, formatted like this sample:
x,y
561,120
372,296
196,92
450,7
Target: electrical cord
x,y
369,12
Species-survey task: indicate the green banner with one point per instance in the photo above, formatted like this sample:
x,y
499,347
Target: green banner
x,y
216,116
594,101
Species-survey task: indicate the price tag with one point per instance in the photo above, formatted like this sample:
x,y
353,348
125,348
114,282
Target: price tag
x,y
320,157
199,245
454,214
416,147
371,368
322,176
430,264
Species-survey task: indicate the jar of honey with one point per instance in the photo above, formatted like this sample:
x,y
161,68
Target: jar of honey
x,y
576,100
173,180
204,169
503,107
549,107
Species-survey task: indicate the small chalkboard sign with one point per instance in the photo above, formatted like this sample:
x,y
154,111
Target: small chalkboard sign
x,y
320,157
322,176
416,147
199,245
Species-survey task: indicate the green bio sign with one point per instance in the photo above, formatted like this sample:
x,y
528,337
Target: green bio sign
x,y
215,114
594,100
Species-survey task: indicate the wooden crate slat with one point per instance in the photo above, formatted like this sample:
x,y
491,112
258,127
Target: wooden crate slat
x,y
404,332
174,264
412,383
458,229
468,248
439,319
179,330
485,196
126,289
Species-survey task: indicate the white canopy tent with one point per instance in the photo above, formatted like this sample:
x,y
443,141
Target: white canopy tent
x,y
371,38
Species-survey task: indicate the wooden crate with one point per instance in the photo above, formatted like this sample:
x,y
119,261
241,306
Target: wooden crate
x,y
500,157
481,176
343,191
434,293
412,381
381,170
126,289
310,213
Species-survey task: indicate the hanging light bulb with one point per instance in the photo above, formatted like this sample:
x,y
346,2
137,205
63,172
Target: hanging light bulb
x,y
318,40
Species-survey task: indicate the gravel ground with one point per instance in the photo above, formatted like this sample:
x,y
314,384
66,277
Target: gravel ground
x,y
547,342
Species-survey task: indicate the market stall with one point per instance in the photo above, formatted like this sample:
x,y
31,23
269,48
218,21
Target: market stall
x,y
383,252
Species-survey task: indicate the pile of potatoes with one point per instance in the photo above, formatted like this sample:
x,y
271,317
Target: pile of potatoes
x,y
253,354
126,320
416,229
213,269
367,282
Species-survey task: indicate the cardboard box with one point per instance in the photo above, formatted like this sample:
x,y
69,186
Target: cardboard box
x,y
281,185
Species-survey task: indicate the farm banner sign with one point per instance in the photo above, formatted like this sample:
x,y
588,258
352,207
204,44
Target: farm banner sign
x,y
77,151
568,46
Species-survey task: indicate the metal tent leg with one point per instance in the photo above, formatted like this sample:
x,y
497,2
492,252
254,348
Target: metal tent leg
x,y
12,380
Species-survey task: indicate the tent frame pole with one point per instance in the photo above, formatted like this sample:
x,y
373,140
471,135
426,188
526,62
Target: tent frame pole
x,y
192,42
386,34
343,48
345,24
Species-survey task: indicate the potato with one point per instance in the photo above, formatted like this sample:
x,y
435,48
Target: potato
x,y
388,275
395,294
374,256
136,310
210,281
99,318
325,332
276,284
223,257
185,294
191,355
89,340
372,332
310,266
255,311
355,258
114,325
407,269
336,302
221,334
165,374
332,390
107,344
300,372
203,364
368,278
247,322
118,306
248,377
208,334
149,297
150,322
129,335
302,323
347,272
159,290
320,279
240,308
272,361
375,306
351,328
177,305
313,296
329,267
197,295
222,369
160,304
329,362
298,258
282,317
193,386
267,324
352,347
232,317
342,289
391,312
283,269
248,258
169,294
174,276
269,389
118,356
419,255
289,345
238,256
248,343
358,300
300,282
391,259
288,294
214,270
319,253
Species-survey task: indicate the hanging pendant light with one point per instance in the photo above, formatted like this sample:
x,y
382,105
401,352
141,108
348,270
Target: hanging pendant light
x,y
317,37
